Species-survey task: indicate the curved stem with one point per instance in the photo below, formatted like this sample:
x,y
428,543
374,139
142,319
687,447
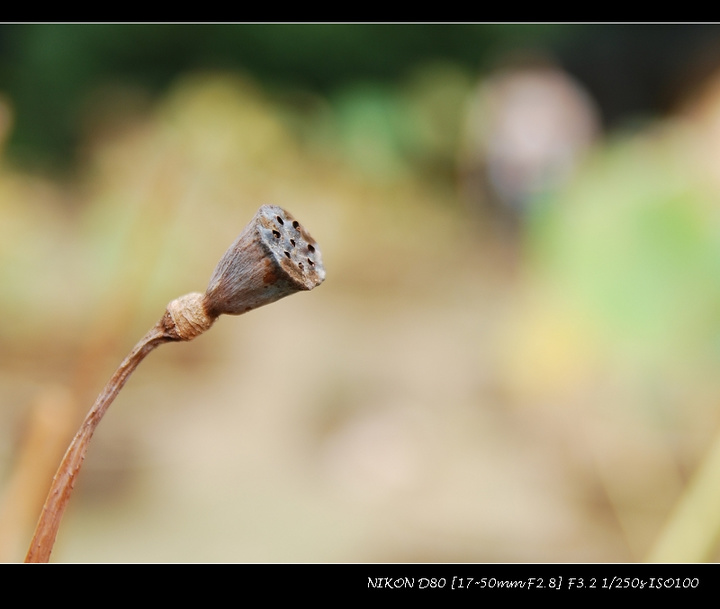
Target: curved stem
x,y
63,482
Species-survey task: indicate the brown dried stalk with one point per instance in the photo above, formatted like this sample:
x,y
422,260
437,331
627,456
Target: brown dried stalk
x,y
272,258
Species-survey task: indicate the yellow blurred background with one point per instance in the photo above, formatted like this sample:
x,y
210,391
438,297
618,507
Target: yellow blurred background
x,y
514,356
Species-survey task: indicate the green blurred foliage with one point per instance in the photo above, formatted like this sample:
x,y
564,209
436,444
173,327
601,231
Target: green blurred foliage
x,y
51,71
636,244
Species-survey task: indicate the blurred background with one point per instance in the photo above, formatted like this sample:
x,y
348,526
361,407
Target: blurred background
x,y
514,356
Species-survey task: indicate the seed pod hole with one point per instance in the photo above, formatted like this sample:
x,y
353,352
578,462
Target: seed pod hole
x,y
292,262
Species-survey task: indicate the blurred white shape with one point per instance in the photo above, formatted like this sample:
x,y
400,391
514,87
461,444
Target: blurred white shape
x,y
528,127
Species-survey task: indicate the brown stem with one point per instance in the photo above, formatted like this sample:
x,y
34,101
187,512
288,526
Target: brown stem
x,y
272,258
63,482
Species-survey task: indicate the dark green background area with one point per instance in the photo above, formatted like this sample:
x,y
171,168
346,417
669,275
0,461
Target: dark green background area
x,y
49,71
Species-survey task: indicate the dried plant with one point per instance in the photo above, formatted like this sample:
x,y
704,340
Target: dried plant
x,y
272,258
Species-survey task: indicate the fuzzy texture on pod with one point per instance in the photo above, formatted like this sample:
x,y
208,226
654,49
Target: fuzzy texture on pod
x,y
186,318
